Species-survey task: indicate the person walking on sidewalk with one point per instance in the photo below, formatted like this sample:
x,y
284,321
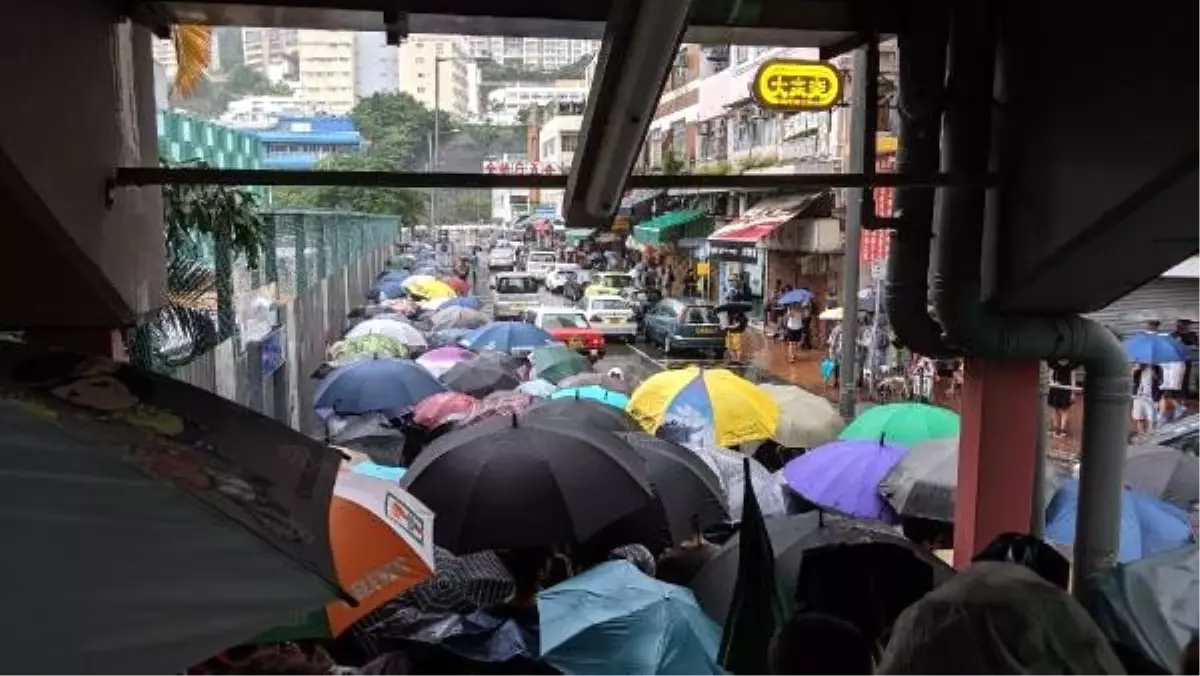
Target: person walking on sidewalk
x,y
734,334
793,331
1061,396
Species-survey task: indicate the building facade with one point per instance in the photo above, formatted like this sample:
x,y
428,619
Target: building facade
x,y
442,63
264,111
270,50
326,70
505,104
300,142
545,54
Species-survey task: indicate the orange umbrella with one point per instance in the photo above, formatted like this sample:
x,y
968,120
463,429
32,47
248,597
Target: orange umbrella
x,y
460,287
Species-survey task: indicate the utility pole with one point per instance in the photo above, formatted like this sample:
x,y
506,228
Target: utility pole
x,y
433,153
860,205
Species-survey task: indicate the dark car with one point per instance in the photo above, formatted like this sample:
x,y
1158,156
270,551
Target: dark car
x,y
641,299
679,324
572,290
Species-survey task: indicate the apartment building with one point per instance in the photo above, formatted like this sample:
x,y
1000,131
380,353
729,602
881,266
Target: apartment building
x,y
442,63
544,54
270,50
505,104
326,70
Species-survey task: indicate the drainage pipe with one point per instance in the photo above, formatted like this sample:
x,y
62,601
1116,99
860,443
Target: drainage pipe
x,y
922,92
967,322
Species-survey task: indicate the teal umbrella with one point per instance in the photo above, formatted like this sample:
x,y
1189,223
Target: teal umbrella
x,y
903,424
595,393
555,362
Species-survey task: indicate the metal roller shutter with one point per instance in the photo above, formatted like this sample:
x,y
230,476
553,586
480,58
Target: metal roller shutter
x,y
1165,299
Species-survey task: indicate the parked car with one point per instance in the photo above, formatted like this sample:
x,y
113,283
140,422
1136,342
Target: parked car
x,y
540,262
513,293
677,324
570,326
502,258
558,275
641,299
608,283
611,315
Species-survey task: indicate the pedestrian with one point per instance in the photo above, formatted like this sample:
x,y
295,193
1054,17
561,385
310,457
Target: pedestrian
x,y
689,283
1185,334
1147,383
734,334
806,317
1061,396
775,310
1170,404
793,331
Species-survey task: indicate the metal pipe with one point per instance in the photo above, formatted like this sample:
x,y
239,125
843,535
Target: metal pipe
x,y
922,92
864,83
967,322
1037,514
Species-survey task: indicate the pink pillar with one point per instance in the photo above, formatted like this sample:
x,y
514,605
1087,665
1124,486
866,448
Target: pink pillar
x,y
996,461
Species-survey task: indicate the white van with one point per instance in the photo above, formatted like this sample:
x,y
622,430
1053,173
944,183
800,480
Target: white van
x,y
502,258
540,262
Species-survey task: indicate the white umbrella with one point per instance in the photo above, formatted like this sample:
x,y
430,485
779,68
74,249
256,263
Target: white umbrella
x,y
808,420
831,315
405,334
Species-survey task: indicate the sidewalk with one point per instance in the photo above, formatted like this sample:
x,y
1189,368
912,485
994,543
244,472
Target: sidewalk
x,y
771,356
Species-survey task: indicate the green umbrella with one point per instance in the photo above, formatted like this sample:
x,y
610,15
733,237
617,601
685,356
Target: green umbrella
x,y
555,362
369,345
903,424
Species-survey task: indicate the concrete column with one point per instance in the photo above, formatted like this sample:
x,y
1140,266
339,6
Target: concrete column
x,y
996,463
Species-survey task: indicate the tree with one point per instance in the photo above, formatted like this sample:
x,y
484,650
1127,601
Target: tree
x,y
409,205
672,163
211,95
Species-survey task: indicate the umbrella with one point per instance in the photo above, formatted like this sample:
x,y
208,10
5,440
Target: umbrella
x,y
399,331
432,304
368,467
689,489
1164,472
768,487
505,482
796,297
401,262
923,484
393,275
538,388
903,424
791,537
482,375
806,420
594,393
447,338
843,476
614,619
583,412
1148,525
427,286
831,315
439,360
607,382
128,497
369,345
507,337
716,406
1152,605
1154,348
457,317
376,385
466,301
442,408
371,433
555,362
501,403
459,285
386,288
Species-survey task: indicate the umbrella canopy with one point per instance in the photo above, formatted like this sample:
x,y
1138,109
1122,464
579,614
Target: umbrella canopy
x,y
439,360
614,619
689,489
538,388
716,406
924,482
427,286
594,393
507,337
371,433
456,317
1154,348
442,408
432,305
503,404
1164,472
370,345
459,285
555,362
791,538
505,482
583,412
398,275
796,297
386,288
401,332
843,476
448,337
117,484
466,301
1148,525
1152,605
768,487
806,420
370,468
482,375
903,424
607,382
375,385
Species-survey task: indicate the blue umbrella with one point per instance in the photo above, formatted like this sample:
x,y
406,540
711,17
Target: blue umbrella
x,y
1154,348
393,276
796,297
387,287
595,393
373,469
538,388
374,385
506,337
470,302
1148,525
614,619
844,476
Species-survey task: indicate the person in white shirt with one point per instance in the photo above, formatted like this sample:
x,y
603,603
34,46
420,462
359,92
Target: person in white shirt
x,y
1146,383
1170,405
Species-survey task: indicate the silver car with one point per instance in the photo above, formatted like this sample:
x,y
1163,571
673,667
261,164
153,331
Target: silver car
x,y
513,293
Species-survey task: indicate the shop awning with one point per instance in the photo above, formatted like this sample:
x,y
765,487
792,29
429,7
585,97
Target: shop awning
x,y
672,225
577,235
763,218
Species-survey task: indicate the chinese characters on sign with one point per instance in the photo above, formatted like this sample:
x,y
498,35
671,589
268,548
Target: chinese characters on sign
x,y
783,84
885,197
874,245
519,168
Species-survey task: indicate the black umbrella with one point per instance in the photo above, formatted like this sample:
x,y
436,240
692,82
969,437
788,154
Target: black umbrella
x,y
923,484
791,537
1164,472
574,412
371,433
690,491
505,482
481,375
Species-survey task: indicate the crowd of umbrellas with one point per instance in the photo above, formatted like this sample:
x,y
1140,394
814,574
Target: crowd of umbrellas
x,y
455,445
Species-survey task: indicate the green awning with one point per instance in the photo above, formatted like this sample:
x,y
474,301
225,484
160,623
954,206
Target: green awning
x,y
673,225
576,235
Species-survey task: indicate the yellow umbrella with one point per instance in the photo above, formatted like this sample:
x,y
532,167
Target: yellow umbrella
x,y
705,407
428,287
808,419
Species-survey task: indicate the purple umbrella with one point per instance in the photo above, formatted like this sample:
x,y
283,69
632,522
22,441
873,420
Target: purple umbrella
x,y
844,476
442,359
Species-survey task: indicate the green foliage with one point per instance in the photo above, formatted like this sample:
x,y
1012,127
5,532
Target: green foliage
x,y
673,164
718,168
753,161
215,91
409,205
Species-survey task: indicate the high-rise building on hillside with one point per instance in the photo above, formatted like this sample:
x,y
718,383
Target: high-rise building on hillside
x,y
544,54
263,48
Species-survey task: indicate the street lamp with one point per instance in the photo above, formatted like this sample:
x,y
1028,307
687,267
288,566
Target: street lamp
x,y
431,140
